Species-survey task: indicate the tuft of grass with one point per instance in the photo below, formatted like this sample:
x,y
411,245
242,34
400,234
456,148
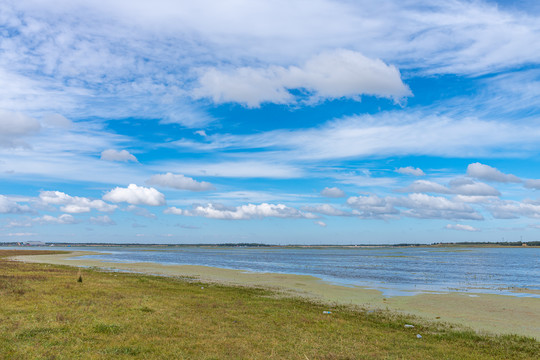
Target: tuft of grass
x,y
121,315
107,329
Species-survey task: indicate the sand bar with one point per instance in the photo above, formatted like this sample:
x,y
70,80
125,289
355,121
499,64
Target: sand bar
x,y
482,312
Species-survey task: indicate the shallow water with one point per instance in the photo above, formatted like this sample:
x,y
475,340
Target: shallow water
x,y
395,271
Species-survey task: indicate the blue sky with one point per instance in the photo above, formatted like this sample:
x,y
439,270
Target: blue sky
x,y
284,122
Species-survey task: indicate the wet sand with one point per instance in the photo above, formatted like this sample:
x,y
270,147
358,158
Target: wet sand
x,y
482,312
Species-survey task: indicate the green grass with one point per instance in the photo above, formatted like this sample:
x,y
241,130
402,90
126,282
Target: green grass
x,y
45,313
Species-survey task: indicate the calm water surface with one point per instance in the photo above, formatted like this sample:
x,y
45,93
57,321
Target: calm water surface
x,y
395,271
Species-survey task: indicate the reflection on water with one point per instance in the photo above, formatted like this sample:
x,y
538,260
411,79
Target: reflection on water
x,y
393,270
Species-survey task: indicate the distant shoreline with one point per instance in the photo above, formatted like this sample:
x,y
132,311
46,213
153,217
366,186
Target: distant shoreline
x,y
531,244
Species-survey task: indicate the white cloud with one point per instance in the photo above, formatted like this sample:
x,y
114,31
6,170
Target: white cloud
x,y
436,207
57,121
414,205
18,224
74,204
238,169
321,223
372,206
409,170
62,219
426,186
242,212
463,186
510,209
532,184
488,173
329,75
333,192
461,227
115,155
8,206
14,126
102,220
178,181
136,195
457,186
21,234
325,209
146,52
254,196
386,134
473,199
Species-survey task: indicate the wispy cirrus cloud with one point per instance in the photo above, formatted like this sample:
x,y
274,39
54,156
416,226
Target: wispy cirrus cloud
x,y
385,134
144,51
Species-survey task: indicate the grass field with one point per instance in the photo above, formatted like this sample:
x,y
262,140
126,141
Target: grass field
x,y
46,313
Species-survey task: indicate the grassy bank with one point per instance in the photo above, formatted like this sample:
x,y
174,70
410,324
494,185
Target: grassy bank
x,y
47,313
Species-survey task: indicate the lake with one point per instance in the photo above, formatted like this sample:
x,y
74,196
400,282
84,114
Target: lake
x,y
394,271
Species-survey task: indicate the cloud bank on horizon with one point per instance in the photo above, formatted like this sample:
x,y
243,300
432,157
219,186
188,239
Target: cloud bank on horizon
x,y
272,121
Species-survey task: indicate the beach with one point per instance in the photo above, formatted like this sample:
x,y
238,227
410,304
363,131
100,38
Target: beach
x,y
485,313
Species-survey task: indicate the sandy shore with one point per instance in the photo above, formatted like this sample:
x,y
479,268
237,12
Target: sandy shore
x,y
482,312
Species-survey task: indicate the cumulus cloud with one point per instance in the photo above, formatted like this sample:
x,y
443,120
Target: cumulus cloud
x,y
61,220
74,204
436,207
510,209
333,192
461,227
488,173
325,209
242,212
321,223
463,186
372,206
532,184
409,170
135,195
102,220
115,155
8,206
473,199
414,205
14,126
178,181
329,75
426,186
457,186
